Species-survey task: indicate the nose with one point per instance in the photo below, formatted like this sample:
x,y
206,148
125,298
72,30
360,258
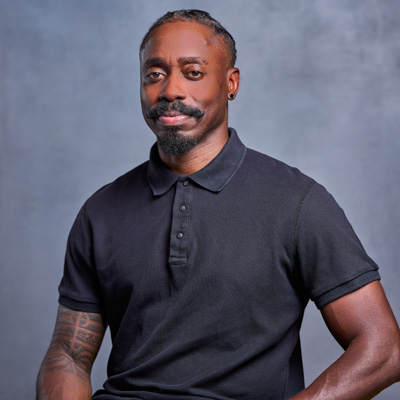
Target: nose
x,y
173,87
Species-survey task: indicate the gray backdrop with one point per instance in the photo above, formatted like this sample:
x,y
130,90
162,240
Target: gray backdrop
x,y
320,90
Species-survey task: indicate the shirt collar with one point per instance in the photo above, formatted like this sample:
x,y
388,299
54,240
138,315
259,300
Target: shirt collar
x,y
214,176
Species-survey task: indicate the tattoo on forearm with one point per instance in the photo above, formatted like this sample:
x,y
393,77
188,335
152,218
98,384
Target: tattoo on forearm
x,y
76,341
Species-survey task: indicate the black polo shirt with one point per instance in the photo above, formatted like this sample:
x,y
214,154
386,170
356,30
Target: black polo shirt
x,y
203,279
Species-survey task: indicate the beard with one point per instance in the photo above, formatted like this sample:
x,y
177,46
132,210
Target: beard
x,y
172,143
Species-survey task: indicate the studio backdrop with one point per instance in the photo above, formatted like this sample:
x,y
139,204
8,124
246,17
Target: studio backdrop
x,y
320,91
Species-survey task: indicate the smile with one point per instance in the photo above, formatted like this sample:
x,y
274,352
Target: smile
x,y
172,118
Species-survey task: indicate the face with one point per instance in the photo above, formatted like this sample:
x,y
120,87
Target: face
x,y
185,82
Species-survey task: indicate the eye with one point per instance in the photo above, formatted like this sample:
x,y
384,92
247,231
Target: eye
x,y
154,76
195,74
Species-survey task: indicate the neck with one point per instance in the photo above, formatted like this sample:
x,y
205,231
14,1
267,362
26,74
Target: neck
x,y
197,158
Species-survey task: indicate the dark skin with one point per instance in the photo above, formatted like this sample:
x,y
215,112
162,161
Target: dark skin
x,y
363,324
65,370
183,61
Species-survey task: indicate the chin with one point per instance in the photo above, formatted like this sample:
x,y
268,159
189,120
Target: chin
x,y
171,142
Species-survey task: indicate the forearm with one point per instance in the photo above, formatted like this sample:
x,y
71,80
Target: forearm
x,y
62,378
359,374
65,371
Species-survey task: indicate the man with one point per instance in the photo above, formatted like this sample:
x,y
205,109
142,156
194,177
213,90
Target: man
x,y
202,260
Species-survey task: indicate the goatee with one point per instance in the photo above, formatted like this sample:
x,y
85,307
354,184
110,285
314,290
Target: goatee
x,y
172,143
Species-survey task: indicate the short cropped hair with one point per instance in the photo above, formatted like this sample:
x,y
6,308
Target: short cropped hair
x,y
198,17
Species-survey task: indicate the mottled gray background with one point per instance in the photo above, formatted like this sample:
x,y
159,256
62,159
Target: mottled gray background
x,y
320,90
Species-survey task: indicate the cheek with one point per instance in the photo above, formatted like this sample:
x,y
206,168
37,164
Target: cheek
x,y
148,93
143,96
211,95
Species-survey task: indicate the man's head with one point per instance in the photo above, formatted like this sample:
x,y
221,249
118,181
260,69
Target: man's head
x,y
187,75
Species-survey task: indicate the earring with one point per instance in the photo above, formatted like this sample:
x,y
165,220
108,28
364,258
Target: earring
x,y
231,96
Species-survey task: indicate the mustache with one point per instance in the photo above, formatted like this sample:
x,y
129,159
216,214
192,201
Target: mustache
x,y
182,108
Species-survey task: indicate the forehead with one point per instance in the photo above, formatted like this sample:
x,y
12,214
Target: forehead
x,y
183,39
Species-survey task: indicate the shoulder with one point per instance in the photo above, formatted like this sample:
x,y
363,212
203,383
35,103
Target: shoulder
x,y
269,172
290,189
120,190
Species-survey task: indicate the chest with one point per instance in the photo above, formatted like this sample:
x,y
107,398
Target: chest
x,y
191,240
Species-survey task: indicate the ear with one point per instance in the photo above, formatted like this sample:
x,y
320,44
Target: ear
x,y
233,76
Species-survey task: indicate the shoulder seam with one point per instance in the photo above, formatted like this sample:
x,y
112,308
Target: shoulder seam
x,y
296,218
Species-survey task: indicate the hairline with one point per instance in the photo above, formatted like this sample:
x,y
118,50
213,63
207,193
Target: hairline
x,y
214,36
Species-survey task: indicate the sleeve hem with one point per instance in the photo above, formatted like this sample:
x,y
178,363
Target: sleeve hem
x,y
80,305
346,288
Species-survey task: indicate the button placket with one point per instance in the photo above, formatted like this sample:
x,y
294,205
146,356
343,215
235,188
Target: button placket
x,y
180,223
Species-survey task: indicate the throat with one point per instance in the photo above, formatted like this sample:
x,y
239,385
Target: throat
x,y
192,160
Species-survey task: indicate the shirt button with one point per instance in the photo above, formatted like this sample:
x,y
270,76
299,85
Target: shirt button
x,y
179,235
182,208
185,183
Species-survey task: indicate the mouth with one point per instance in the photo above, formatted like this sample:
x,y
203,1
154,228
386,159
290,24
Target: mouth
x,y
169,118
174,114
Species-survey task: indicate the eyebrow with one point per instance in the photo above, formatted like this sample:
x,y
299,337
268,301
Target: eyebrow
x,y
181,60
192,60
153,61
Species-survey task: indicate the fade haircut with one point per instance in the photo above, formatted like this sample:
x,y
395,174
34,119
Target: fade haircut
x,y
199,17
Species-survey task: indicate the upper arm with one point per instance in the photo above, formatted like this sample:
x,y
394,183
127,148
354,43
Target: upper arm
x,y
364,313
76,341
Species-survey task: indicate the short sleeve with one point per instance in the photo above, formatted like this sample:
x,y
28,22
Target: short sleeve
x,y
330,259
79,288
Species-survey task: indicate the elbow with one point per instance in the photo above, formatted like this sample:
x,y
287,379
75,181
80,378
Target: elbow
x,y
391,363
381,358
396,359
